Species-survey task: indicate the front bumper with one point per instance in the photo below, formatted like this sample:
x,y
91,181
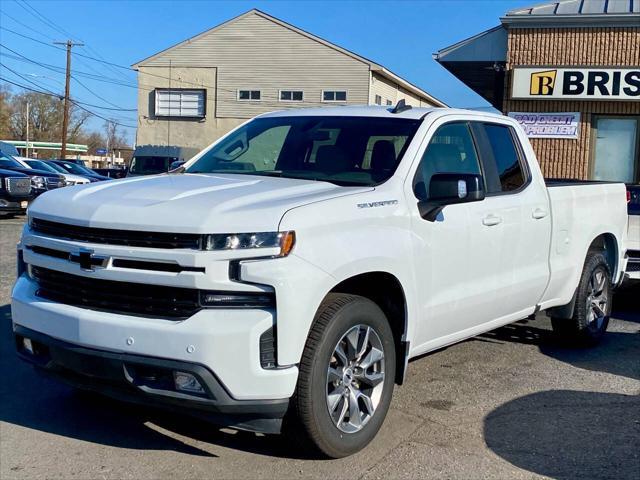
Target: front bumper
x,y
12,207
225,341
633,265
146,380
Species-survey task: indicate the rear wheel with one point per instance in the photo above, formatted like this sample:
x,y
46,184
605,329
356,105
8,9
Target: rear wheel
x,y
346,376
593,304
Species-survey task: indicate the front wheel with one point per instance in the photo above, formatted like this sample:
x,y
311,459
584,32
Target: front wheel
x,y
593,304
346,376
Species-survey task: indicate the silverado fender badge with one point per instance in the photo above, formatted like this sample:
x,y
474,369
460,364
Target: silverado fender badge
x,y
383,203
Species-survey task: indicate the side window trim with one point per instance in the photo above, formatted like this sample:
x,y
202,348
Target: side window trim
x,y
486,155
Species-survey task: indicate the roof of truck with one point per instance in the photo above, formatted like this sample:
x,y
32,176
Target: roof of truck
x,y
415,113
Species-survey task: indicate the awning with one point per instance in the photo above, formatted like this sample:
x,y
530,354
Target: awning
x,y
71,147
479,62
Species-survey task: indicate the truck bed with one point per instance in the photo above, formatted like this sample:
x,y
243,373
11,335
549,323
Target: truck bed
x,y
580,211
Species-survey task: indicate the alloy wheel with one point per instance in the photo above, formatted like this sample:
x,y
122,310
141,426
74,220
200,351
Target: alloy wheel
x,y
598,298
355,378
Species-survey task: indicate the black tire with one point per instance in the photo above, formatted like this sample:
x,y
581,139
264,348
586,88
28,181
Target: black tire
x,y
586,328
314,426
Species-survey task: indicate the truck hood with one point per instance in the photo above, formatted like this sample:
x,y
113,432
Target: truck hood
x,y
185,203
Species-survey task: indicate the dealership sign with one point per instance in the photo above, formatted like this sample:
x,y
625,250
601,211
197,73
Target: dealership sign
x,y
548,125
549,83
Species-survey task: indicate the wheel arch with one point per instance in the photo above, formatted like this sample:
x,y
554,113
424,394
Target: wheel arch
x,y
605,243
386,291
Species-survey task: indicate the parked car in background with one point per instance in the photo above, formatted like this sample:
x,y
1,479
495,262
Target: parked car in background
x,y
15,193
111,172
77,169
69,178
9,149
77,161
300,261
633,269
176,164
41,180
154,159
61,170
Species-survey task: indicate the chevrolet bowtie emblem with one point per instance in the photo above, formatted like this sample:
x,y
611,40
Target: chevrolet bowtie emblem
x,y
87,260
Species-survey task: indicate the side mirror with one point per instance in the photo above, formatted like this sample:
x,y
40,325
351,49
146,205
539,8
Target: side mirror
x,y
450,189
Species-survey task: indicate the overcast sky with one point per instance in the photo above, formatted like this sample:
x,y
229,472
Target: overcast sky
x,y
401,35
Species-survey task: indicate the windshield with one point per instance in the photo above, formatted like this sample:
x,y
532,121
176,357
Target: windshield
x,y
74,168
150,165
342,150
8,162
38,165
53,166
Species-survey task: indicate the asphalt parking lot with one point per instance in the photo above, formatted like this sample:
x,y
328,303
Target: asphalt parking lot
x,y
509,404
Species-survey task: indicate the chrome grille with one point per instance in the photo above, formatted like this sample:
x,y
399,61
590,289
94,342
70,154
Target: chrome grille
x,y
18,186
54,183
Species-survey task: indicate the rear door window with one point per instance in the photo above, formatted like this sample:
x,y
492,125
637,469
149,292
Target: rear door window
x,y
505,156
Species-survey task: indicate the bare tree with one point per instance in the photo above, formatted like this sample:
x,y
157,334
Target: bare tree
x,y
45,118
114,138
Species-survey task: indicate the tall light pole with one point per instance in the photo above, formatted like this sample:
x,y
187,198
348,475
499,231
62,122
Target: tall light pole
x,y
65,118
27,144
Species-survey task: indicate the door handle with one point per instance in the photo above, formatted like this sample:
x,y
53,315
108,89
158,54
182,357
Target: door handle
x,y
539,213
491,220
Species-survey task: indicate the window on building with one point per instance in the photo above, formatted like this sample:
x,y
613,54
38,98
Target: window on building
x,y
249,95
451,150
617,152
506,158
291,95
334,96
180,103
389,102
378,100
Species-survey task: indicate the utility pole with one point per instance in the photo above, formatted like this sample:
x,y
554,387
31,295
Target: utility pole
x,y
65,118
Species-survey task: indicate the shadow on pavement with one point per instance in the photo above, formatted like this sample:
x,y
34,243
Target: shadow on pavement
x,y
568,434
618,353
32,401
626,303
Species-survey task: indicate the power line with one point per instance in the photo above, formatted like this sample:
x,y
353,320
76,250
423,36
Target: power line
x,y
58,96
58,28
24,25
24,4
59,70
275,103
53,94
148,88
31,82
99,77
103,99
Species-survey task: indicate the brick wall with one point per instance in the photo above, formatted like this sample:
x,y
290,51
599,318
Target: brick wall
x,y
616,47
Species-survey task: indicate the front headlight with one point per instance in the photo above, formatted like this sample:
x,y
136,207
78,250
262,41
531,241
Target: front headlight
x,y
243,241
38,182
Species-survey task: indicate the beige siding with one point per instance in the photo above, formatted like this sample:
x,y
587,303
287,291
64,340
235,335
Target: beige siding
x,y
196,133
254,52
390,90
570,47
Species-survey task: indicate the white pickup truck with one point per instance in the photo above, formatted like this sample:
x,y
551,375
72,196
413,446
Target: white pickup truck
x,y
284,276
